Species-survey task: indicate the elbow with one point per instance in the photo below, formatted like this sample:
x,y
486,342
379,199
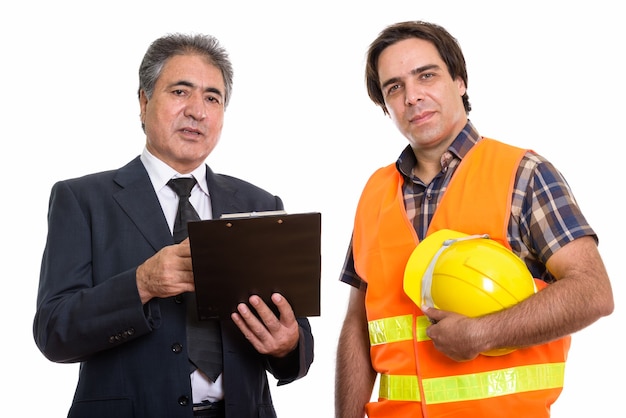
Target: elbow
x,y
608,307
603,306
56,355
49,351
50,344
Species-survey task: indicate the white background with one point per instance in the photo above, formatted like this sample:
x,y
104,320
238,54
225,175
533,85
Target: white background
x,y
547,75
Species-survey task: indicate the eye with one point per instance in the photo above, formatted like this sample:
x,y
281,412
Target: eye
x,y
178,92
213,99
393,88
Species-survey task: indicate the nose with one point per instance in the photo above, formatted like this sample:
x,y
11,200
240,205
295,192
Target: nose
x,y
195,107
413,95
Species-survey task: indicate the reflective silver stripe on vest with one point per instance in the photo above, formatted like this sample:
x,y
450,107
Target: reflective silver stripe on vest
x,y
473,386
397,328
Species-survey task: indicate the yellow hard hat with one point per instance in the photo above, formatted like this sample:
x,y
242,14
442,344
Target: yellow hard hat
x,y
467,274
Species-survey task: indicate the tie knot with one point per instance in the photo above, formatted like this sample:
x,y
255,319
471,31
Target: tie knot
x,y
182,186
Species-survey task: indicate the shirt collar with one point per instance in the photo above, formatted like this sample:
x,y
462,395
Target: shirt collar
x,y
459,148
160,173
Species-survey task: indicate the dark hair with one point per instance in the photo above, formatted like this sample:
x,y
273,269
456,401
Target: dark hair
x,y
181,44
446,45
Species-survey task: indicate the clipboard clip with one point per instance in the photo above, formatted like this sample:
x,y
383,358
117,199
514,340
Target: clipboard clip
x,y
241,215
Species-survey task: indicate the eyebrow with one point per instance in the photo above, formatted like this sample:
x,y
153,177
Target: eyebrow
x,y
192,85
414,71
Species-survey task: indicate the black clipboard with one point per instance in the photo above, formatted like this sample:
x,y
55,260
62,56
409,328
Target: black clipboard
x,y
240,255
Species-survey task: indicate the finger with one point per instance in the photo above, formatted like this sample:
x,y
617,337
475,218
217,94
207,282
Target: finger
x,y
247,316
433,313
241,324
268,317
266,325
183,249
284,308
247,323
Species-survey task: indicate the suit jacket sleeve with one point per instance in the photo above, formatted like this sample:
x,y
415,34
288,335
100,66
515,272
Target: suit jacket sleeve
x,y
297,363
83,305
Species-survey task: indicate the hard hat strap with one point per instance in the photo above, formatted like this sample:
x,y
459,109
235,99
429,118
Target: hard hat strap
x,y
427,279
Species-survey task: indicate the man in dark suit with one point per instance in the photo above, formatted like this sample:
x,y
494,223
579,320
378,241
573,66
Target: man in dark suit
x,y
113,282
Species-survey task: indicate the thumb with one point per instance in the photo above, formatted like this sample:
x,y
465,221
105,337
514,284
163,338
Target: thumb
x,y
431,313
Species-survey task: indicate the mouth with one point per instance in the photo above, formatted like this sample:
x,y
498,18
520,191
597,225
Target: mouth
x,y
422,117
191,131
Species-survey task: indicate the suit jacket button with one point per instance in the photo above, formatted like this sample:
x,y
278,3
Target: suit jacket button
x,y
183,400
177,348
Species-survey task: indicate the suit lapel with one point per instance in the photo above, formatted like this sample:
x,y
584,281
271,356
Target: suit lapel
x,y
224,197
138,199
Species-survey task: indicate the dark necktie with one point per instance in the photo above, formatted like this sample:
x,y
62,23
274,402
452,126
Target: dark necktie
x,y
203,337
186,212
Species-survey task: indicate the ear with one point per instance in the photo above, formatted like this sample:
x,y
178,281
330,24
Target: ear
x,y
460,85
143,102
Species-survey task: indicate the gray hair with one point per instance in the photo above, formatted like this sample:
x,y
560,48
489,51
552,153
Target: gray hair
x,y
181,44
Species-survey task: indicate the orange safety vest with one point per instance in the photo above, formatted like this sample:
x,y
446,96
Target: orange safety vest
x,y
416,380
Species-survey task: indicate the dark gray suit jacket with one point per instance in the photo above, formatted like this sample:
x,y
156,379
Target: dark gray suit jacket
x,y
133,357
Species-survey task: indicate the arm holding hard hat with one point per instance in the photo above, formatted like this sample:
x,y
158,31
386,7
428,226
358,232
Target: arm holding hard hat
x,y
554,312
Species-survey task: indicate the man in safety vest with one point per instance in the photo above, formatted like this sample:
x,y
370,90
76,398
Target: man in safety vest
x,y
431,362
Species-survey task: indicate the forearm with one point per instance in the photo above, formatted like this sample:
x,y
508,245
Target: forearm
x,y
70,327
354,375
354,379
561,309
581,295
